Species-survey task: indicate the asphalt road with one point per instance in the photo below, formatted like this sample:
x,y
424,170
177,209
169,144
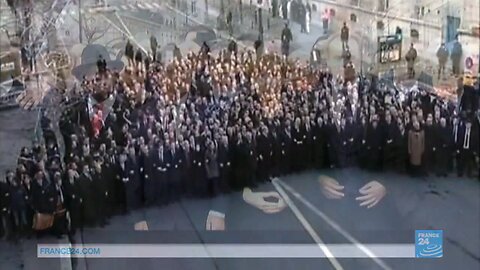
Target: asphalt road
x,y
406,207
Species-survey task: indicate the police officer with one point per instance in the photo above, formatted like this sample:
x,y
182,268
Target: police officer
x,y
230,22
442,55
153,46
129,52
286,39
456,56
303,18
344,35
410,57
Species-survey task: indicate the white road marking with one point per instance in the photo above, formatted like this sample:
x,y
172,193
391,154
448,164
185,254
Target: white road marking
x,y
148,6
132,7
307,225
65,262
142,5
335,226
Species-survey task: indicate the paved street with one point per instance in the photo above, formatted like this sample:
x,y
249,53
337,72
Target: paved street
x,y
407,207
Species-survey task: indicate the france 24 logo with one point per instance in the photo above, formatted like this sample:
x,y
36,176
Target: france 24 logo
x,y
428,243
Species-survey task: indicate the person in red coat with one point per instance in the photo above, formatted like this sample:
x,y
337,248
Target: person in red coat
x,y
97,123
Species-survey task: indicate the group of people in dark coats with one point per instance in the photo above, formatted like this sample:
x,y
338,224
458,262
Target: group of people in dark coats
x,y
258,118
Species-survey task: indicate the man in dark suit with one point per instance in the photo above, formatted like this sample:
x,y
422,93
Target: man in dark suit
x,y
186,156
443,149
224,164
350,134
212,167
73,199
335,145
174,172
430,139
276,150
374,145
319,144
156,185
299,139
390,151
101,190
286,149
247,162
308,143
263,149
44,199
467,148
5,209
89,208
60,224
110,169
133,193
18,203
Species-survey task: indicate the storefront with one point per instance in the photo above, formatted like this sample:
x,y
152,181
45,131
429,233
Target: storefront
x,y
10,65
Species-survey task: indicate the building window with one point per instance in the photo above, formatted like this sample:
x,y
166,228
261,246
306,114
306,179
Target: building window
x,y
383,5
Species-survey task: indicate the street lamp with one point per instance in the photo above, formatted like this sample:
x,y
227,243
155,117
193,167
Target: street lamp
x,y
206,9
240,6
80,21
260,22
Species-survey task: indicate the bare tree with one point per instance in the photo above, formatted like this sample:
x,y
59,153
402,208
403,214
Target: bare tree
x,y
93,30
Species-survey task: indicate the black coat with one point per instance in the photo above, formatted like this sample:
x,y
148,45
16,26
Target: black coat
x,y
276,153
89,203
73,201
223,158
391,137
155,185
44,197
286,151
173,163
5,198
199,172
101,189
138,56
186,157
374,146
18,198
263,150
132,185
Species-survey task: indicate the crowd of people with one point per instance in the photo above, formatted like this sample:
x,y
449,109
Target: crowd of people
x,y
204,125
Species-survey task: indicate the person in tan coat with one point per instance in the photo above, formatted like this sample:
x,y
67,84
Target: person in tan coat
x,y
416,147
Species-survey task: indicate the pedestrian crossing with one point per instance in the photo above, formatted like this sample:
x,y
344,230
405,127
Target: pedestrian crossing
x,y
138,6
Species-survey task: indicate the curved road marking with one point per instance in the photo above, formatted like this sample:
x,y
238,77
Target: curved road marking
x,y
333,224
307,226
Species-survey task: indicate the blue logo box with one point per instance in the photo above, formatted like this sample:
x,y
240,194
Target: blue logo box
x,y
428,243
